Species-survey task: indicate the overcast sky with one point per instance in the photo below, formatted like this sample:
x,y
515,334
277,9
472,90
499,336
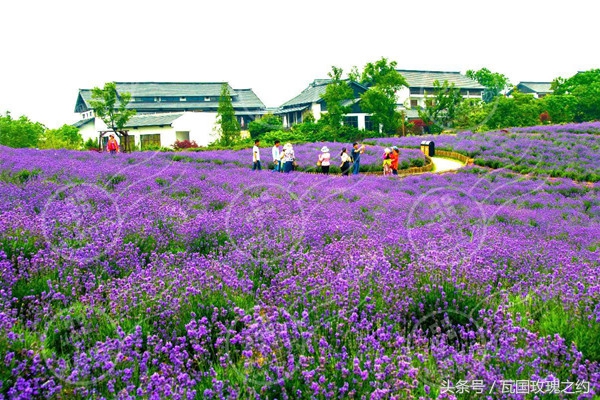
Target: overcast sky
x,y
50,49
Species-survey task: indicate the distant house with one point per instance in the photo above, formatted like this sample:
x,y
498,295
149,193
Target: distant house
x,y
173,97
150,131
537,89
420,84
309,100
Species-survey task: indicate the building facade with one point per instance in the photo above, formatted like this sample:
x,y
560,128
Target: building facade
x,y
172,103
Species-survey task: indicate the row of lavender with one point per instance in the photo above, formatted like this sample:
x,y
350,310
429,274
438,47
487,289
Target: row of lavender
x,y
137,276
571,150
307,156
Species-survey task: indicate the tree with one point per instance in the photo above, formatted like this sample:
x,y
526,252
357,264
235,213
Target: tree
x,y
560,107
266,123
228,124
494,82
519,110
19,132
585,87
441,109
336,93
65,137
104,104
379,100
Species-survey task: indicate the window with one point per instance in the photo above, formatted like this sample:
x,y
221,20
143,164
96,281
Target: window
x,y
148,142
414,103
206,98
368,123
181,136
157,99
351,121
182,99
144,99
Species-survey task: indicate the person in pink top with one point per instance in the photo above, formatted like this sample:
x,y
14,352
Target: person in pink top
x,y
324,160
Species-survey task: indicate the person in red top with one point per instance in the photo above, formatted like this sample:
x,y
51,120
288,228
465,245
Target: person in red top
x,y
112,146
395,156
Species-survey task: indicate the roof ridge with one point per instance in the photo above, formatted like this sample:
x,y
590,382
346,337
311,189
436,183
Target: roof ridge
x,y
175,83
429,71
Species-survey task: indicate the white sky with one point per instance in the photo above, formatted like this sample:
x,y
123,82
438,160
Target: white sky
x,y
50,49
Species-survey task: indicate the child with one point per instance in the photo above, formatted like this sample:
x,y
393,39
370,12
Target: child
x,y
387,162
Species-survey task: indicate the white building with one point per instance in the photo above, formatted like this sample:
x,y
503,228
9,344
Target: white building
x,y
420,85
309,100
150,131
167,111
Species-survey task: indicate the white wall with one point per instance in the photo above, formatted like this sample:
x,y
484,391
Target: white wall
x,y
200,125
88,131
316,110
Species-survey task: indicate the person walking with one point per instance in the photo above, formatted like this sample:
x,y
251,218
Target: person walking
x,y
112,146
324,160
256,156
288,158
276,156
356,152
345,166
395,158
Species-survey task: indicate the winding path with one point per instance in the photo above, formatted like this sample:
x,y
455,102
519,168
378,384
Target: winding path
x,y
446,164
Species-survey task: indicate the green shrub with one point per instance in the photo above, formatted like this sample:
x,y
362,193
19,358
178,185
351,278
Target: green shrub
x,y
267,123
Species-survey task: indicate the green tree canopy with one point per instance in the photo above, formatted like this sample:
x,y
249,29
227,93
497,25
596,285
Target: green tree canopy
x,y
382,80
494,82
19,132
65,137
104,104
519,110
228,125
585,87
266,123
336,93
441,108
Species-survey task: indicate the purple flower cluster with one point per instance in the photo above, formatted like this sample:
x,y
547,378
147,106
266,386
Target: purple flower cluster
x,y
142,276
570,151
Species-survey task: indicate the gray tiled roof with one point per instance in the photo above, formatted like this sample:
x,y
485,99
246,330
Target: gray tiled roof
x,y
242,99
311,94
537,87
292,109
247,98
82,122
139,120
152,89
425,79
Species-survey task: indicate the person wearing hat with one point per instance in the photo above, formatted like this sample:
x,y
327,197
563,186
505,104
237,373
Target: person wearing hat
x,y
395,157
387,161
288,158
324,160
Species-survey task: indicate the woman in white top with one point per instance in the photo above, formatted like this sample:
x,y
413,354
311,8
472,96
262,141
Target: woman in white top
x,y
288,157
345,162
324,160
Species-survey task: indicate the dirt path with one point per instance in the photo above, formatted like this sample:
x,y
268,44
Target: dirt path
x,y
446,164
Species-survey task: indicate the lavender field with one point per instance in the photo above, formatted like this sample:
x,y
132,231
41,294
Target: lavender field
x,y
151,276
306,156
570,151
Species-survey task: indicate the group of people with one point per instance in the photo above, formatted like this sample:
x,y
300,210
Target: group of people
x,y
284,159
